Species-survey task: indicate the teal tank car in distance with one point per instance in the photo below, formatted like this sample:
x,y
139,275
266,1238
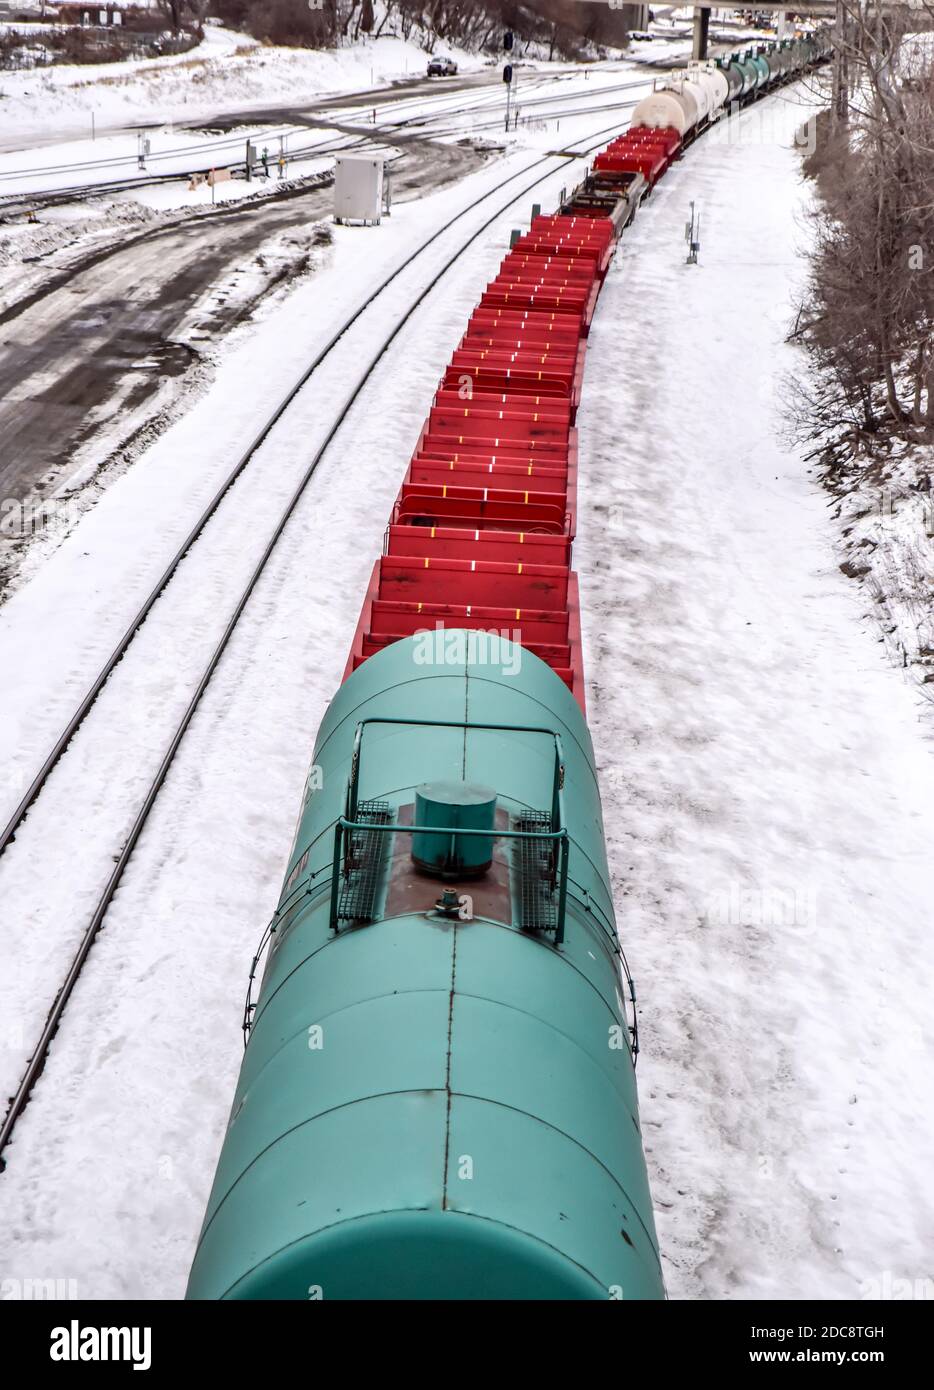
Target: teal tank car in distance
x,y
438,1097
762,69
750,74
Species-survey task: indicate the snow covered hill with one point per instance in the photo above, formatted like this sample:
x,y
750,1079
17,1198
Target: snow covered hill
x,y
227,70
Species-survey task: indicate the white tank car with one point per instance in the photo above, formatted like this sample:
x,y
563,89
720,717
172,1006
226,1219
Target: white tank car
x,y
716,84
700,92
671,106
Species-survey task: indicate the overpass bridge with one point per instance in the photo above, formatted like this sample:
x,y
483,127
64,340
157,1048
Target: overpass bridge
x,y
809,9
829,10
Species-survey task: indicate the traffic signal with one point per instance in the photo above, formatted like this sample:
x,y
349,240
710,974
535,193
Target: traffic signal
x,y
507,73
507,40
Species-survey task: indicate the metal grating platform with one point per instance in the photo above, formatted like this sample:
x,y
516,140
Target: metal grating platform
x,y
533,861
366,855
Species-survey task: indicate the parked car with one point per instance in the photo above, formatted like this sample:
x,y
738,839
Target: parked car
x,y
442,67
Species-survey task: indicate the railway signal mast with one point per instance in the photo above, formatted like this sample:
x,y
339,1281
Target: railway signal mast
x,y
692,236
507,73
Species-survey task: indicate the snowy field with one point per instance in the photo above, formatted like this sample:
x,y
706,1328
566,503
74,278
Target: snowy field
x,y
768,786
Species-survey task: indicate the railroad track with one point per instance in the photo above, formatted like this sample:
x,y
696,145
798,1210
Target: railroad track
x,y
208,150
15,204
40,780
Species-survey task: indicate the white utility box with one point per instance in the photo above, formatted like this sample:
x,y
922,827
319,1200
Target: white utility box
x,y
358,189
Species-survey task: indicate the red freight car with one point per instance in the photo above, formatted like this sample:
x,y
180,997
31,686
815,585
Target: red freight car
x,y
481,532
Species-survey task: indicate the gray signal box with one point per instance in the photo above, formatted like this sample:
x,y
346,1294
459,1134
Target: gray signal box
x,y
358,189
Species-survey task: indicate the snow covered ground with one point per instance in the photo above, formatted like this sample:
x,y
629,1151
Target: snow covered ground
x,y
768,786
768,777
886,516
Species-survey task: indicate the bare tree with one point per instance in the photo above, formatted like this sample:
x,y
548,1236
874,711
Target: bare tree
x,y
869,317
178,13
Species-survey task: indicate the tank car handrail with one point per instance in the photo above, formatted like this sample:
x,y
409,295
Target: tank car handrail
x,y
559,838
393,827
348,823
557,808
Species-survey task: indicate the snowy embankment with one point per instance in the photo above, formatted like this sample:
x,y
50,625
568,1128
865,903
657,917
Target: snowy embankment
x,y
882,485
885,507
768,780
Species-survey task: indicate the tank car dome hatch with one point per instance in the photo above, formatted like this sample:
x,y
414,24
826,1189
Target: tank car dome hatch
x,y
454,807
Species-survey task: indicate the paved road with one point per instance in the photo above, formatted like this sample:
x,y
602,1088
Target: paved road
x,y
375,96
99,339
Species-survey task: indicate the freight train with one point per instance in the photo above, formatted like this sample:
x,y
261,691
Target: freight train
x,y
438,1096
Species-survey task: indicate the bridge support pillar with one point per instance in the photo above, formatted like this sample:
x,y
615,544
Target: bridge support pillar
x,y
701,29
